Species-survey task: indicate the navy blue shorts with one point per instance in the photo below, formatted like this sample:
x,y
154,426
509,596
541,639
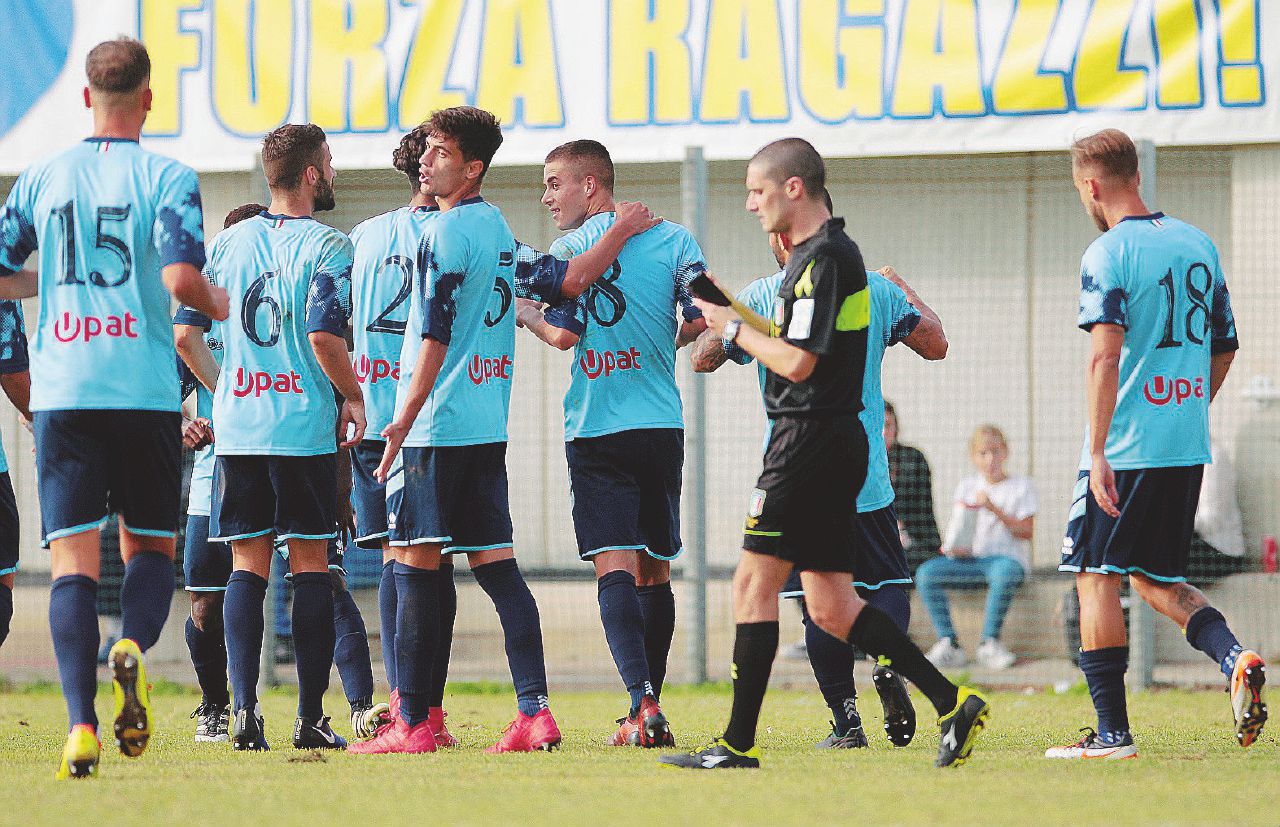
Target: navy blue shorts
x,y
878,556
626,491
1152,535
206,566
92,463
454,495
9,536
291,497
368,496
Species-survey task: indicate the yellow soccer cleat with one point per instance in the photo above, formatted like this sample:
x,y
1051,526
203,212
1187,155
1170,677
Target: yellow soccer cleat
x,y
80,755
132,699
961,727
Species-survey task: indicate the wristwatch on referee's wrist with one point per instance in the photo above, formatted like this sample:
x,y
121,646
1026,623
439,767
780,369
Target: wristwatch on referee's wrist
x,y
730,334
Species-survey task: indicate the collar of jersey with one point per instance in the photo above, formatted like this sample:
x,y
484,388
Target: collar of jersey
x,y
424,208
1149,217
274,217
94,139
475,199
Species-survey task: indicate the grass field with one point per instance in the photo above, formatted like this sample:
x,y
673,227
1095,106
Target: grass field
x,y
1190,770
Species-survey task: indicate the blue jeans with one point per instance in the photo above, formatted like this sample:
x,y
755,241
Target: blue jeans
x,y
1002,575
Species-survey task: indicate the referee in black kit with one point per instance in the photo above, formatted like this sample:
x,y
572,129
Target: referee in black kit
x,y
801,513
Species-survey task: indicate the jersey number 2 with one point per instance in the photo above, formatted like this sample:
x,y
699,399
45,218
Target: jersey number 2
x,y
382,324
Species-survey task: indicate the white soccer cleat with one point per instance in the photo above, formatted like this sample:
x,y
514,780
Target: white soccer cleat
x,y
995,655
1250,712
945,654
1092,746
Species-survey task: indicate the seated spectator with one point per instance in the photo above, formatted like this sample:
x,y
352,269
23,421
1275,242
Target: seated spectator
x,y
988,544
913,494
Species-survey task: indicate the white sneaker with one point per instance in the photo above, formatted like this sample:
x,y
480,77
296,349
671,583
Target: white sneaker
x,y
945,654
994,655
1091,746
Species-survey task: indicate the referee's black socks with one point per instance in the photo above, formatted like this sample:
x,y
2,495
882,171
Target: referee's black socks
x,y
874,633
754,648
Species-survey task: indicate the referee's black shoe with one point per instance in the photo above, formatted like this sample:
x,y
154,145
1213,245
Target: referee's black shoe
x,y
899,714
961,727
717,756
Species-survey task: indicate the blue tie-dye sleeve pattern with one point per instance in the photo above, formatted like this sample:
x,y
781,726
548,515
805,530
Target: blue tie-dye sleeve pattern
x,y
1102,296
570,315
13,339
902,315
180,219
538,275
690,266
329,294
442,266
1222,321
186,380
17,231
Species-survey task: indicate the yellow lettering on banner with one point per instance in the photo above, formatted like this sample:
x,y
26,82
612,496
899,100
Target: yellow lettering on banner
x,y
1180,67
252,64
938,59
345,47
743,60
518,63
847,80
1019,85
423,89
1241,67
1100,82
649,65
173,51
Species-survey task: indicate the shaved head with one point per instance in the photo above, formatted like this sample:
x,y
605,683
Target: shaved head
x,y
586,157
790,158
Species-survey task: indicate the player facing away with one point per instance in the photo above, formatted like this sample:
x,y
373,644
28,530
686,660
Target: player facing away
x,y
815,463
118,229
1162,338
383,277
624,427
15,379
289,278
448,488
898,314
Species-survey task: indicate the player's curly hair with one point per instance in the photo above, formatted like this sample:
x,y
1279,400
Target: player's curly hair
x,y
408,155
242,212
477,132
117,66
288,151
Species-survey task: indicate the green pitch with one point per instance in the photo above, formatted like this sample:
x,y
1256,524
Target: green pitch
x,y
1190,771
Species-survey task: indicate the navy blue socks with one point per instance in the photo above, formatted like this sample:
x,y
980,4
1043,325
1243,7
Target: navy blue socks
x,y
522,629
658,607
73,622
1104,672
242,620
1207,630
832,662
387,620
145,596
417,635
624,630
754,648
313,639
448,613
876,634
209,657
6,611
351,649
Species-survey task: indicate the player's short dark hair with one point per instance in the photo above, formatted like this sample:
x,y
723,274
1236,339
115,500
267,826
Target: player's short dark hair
x,y
117,66
288,151
242,212
407,157
826,199
589,157
477,132
889,410
1111,153
794,158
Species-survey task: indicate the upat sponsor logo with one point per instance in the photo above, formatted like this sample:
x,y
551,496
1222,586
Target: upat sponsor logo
x,y
1163,390
596,364
372,370
482,369
258,382
71,328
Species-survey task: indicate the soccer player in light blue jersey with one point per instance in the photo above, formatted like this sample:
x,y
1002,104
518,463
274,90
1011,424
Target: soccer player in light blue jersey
x,y
383,276
118,230
898,314
289,278
15,379
624,427
1162,338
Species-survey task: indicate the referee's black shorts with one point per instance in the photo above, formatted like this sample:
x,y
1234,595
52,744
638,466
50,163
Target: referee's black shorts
x,y
802,509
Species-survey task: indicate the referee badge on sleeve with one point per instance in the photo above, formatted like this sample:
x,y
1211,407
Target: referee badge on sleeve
x,y
801,319
757,503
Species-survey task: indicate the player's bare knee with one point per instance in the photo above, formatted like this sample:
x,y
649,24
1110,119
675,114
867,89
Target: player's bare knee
x,y
652,571
206,610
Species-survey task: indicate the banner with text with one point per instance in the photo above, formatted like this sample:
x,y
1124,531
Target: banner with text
x,y
649,77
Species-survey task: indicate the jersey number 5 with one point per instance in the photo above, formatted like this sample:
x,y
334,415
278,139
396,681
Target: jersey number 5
x,y
1196,325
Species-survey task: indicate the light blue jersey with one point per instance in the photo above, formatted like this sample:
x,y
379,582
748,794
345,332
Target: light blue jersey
x,y
106,216
1160,279
624,369
287,278
463,297
382,278
201,493
13,351
893,318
